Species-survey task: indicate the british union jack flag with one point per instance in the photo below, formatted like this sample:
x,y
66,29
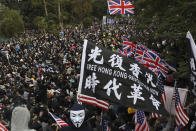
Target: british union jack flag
x,y
140,50
147,57
155,63
151,60
128,48
120,7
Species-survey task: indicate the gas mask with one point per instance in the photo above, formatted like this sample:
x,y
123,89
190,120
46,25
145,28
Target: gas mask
x,y
77,115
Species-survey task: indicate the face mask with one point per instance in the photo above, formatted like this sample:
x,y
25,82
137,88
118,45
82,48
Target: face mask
x,y
77,117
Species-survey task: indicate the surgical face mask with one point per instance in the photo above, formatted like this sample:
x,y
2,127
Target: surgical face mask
x,y
77,117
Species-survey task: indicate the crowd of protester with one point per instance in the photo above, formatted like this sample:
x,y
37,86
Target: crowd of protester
x,y
42,71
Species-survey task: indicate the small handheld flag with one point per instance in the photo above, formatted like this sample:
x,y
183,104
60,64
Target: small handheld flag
x,y
181,116
140,121
58,120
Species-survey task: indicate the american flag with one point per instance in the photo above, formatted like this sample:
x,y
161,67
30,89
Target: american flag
x,y
93,101
104,123
58,120
180,116
120,7
128,48
155,115
2,127
161,87
140,121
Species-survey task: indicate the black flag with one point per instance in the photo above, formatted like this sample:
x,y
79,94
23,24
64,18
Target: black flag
x,y
192,62
108,76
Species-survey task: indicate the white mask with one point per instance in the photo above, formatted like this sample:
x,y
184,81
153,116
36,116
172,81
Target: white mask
x,y
77,117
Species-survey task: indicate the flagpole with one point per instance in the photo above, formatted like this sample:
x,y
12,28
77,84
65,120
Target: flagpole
x,y
172,99
101,117
175,83
170,114
82,67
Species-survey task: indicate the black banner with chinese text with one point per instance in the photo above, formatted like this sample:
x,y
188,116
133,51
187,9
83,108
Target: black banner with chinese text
x,y
108,76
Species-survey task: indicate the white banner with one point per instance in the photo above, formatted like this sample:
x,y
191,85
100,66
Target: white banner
x,y
170,105
104,20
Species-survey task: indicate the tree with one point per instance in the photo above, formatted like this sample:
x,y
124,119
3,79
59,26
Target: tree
x,y
59,11
30,9
99,8
40,23
12,4
11,23
81,9
59,15
45,8
168,20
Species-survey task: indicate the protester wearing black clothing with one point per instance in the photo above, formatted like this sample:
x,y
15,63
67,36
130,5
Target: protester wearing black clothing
x,y
77,121
36,63
85,127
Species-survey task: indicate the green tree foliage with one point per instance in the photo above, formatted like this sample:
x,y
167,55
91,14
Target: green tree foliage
x,y
40,23
81,10
41,4
12,4
60,12
99,8
29,10
11,23
53,28
168,20
66,11
87,21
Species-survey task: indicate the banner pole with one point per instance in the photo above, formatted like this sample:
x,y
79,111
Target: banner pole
x,y
82,67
